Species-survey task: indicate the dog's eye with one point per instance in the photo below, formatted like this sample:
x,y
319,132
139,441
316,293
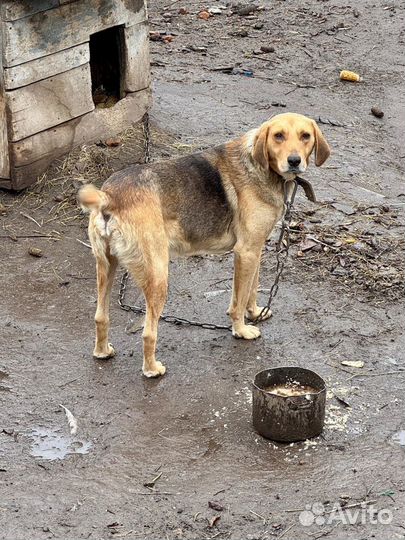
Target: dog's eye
x,y
305,136
279,136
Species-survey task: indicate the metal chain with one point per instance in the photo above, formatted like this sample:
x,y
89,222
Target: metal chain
x,y
282,247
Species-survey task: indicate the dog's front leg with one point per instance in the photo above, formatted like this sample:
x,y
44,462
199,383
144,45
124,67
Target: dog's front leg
x,y
253,310
247,260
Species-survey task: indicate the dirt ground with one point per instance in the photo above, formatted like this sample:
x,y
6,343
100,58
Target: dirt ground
x,y
188,435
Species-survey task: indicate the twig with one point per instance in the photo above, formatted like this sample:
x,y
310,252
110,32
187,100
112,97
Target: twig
x,y
84,243
69,382
376,374
31,218
25,236
259,516
351,506
152,483
285,531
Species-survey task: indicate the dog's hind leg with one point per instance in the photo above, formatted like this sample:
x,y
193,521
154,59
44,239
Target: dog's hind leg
x,y
153,280
106,267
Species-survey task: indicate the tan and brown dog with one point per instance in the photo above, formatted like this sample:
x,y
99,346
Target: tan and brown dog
x,y
228,197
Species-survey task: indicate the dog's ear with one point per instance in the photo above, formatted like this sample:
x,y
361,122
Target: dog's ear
x,y
322,150
260,151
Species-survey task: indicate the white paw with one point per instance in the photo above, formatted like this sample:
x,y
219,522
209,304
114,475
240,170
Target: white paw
x,y
253,314
104,355
157,370
246,332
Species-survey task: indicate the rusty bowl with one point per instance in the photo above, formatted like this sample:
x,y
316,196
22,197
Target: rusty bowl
x,y
293,418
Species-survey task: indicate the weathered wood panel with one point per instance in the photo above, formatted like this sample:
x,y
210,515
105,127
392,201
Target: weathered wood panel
x,y
136,57
4,159
49,103
16,9
34,154
45,67
60,28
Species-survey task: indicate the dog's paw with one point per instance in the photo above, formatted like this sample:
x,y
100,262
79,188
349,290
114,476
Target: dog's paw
x,y
246,332
155,370
252,314
104,355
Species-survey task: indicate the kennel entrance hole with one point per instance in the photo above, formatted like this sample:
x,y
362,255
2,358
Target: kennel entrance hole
x,y
106,66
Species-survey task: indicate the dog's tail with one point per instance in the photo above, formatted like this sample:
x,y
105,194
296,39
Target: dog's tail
x,y
90,198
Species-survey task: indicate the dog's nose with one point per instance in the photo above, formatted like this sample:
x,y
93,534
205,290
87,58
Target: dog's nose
x,y
294,160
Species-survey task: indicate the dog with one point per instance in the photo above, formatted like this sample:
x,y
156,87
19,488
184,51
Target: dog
x,y
226,198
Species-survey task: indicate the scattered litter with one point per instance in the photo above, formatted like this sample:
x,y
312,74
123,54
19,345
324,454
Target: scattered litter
x,y
377,112
35,252
152,483
161,36
336,419
212,294
212,522
205,15
71,420
215,10
351,76
307,244
215,506
113,141
267,48
353,363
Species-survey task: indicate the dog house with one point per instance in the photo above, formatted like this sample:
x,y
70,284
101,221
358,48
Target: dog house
x,y
71,72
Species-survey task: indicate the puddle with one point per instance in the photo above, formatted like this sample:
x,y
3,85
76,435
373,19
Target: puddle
x,y
48,443
399,437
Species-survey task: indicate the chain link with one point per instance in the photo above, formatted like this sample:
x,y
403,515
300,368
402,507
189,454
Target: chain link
x,y
282,248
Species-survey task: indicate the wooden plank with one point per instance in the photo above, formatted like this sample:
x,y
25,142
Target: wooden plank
x,y
45,67
17,9
49,103
4,152
33,155
136,57
70,24
4,159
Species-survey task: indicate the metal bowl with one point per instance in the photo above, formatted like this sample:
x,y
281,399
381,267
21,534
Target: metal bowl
x,y
293,418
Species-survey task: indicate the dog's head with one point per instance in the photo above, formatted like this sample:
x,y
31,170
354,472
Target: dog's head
x,y
285,142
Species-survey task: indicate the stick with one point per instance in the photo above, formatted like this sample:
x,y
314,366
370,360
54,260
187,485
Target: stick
x,y
31,218
375,374
84,243
285,531
259,516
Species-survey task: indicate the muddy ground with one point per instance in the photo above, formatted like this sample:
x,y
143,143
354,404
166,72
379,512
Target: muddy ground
x,y
340,300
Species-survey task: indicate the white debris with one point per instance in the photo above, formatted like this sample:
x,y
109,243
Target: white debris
x,y
71,420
